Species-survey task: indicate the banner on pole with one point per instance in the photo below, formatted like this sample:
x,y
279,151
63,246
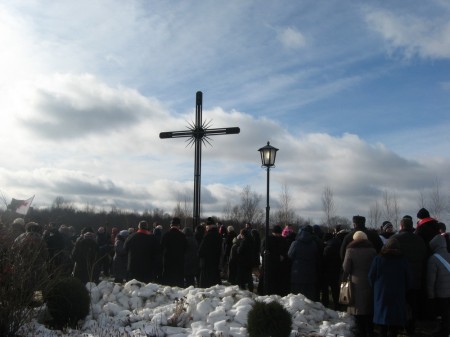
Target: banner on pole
x,y
21,206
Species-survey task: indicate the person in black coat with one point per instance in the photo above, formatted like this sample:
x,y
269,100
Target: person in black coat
x,y
278,264
120,258
427,227
191,261
305,253
415,251
209,252
359,224
143,249
332,269
85,256
174,245
245,260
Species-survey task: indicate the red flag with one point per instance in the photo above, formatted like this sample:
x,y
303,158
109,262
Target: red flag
x,y
21,206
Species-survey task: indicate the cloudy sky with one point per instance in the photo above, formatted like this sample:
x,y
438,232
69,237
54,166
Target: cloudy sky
x,y
355,95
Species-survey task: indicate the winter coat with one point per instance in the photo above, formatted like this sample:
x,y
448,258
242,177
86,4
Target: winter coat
x,y
331,261
414,250
390,277
233,260
438,277
120,259
191,260
32,249
226,246
357,261
279,266
173,244
209,252
372,236
85,256
143,250
385,236
305,256
427,229
245,259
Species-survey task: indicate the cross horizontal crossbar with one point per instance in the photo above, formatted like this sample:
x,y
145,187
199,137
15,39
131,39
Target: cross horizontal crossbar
x,y
193,133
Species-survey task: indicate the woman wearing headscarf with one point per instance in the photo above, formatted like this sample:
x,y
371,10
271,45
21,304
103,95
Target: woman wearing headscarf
x,y
358,258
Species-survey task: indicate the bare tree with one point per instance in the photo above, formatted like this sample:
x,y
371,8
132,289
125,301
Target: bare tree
x,y
3,199
437,201
421,199
249,204
285,215
374,215
61,203
328,205
391,208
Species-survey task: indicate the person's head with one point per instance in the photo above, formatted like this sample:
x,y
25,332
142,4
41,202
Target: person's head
x,y
101,230
287,230
188,232
277,230
33,227
230,229
248,225
359,221
318,231
423,214
143,225
387,227
176,222
18,225
442,227
308,229
210,224
85,230
406,224
123,234
359,235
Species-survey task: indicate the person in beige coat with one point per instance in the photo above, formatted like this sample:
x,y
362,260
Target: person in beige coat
x,y
357,261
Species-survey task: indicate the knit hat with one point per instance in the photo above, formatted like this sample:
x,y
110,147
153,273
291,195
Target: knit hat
x,y
423,213
359,235
210,221
386,225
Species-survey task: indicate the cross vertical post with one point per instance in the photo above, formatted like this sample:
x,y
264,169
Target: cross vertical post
x,y
197,134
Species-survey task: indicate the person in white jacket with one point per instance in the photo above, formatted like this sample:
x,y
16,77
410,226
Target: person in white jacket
x,y
438,281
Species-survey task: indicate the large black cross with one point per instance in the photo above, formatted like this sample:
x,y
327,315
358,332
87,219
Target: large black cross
x,y
198,133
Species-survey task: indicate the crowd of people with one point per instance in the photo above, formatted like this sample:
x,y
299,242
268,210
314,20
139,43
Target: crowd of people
x,y
397,277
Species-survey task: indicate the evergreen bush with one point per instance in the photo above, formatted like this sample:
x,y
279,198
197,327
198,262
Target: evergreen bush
x,y
269,320
68,302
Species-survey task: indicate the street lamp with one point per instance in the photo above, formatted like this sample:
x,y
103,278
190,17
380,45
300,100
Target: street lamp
x,y
268,155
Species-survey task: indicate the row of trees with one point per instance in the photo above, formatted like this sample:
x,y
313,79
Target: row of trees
x,y
248,209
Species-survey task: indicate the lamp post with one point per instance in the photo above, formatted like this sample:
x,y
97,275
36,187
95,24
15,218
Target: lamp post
x,y
268,155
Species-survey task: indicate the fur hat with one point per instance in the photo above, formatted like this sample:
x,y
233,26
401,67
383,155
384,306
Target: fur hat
x,y
423,213
359,220
359,235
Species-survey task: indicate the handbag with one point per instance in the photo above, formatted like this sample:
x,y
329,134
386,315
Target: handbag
x,y
345,294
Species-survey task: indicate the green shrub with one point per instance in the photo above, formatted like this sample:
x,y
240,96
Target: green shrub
x,y
67,301
269,320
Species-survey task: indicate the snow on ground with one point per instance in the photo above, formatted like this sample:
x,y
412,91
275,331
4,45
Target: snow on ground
x,y
136,309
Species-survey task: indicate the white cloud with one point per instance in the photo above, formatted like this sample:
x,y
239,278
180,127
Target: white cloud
x,y
291,38
412,34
